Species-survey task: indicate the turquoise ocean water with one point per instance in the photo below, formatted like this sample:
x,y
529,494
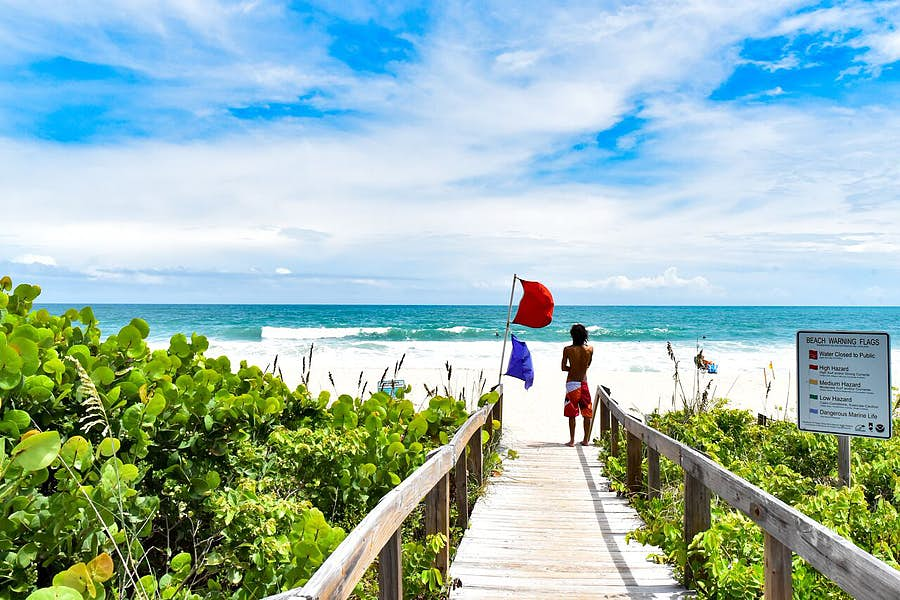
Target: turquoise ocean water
x,y
630,338
359,324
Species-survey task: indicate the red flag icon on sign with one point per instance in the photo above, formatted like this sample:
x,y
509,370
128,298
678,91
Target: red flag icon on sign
x,y
536,307
814,354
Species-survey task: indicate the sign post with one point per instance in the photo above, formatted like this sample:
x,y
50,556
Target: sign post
x,y
844,387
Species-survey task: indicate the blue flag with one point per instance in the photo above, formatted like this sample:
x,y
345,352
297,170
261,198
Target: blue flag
x,y
520,365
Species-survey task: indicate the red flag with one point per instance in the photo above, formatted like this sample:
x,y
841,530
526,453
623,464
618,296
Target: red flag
x,y
536,307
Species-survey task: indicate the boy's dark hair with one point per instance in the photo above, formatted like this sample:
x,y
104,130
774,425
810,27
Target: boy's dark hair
x,y
579,334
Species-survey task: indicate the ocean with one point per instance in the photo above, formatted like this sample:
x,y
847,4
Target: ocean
x,y
630,338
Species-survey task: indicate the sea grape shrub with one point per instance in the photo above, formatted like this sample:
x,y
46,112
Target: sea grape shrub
x,y
797,467
202,480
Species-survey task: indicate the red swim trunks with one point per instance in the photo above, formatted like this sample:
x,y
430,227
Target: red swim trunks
x,y
578,398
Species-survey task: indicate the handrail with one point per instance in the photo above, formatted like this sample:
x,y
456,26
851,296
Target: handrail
x,y
379,531
786,529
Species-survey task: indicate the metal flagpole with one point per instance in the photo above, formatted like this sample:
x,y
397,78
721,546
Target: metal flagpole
x,y
506,334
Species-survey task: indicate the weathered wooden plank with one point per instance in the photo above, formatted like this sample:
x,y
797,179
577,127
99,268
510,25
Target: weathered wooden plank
x,y
437,519
390,569
476,462
844,459
613,435
654,486
696,514
521,541
467,430
633,473
777,565
604,412
461,485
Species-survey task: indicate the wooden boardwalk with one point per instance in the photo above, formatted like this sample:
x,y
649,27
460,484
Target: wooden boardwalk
x,y
549,527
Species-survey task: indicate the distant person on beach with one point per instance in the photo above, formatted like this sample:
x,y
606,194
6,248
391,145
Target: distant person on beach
x,y
575,360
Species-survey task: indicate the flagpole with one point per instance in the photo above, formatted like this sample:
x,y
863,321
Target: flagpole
x,y
512,291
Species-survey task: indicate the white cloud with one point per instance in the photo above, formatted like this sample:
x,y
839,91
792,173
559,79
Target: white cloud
x,y
459,170
35,259
668,279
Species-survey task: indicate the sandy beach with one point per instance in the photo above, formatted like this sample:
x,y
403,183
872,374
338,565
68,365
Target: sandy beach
x,y
536,413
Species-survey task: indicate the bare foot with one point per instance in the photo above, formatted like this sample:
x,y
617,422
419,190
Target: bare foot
x,y
585,443
570,444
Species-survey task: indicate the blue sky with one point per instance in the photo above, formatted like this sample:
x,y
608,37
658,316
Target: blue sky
x,y
419,152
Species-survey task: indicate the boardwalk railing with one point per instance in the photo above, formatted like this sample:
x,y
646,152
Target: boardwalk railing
x,y
786,529
378,534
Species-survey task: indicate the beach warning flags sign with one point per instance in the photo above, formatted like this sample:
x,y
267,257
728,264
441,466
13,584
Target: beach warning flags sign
x,y
536,307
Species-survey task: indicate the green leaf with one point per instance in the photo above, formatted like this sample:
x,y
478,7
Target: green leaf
x,y
101,567
37,451
26,554
417,427
56,592
396,448
103,375
128,473
148,584
179,346
77,452
155,405
82,353
19,418
199,343
109,446
87,316
181,562
27,292
28,351
141,326
10,380
130,341
54,366
133,417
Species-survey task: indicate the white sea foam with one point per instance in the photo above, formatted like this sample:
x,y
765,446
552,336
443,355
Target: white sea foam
x,y
596,329
316,333
458,329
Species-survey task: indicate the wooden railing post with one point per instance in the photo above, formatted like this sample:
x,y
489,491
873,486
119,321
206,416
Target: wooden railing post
x,y
390,570
489,426
437,519
613,435
633,475
476,462
604,417
461,483
844,459
696,515
497,412
777,561
653,483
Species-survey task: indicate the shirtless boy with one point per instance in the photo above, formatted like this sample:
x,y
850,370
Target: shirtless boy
x,y
576,359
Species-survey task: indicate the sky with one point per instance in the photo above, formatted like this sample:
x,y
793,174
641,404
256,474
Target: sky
x,y
691,152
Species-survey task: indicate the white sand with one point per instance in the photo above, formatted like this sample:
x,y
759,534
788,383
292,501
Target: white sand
x,y
536,414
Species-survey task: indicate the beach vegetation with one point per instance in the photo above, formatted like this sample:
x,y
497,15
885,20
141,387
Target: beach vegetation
x,y
128,471
798,467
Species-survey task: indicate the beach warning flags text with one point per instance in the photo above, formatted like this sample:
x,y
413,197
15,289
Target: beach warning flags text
x,y
536,306
520,365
